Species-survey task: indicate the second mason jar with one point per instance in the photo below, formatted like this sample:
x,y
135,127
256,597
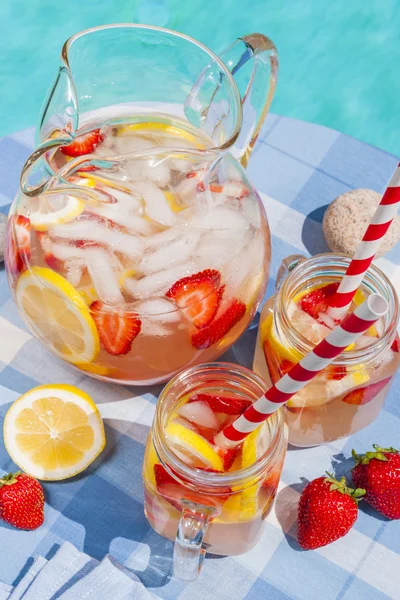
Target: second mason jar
x,y
349,394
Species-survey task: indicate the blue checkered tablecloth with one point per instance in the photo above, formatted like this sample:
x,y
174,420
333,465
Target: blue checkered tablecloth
x,y
299,168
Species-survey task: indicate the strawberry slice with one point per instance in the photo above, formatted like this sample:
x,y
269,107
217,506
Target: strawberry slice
x,y
276,368
271,482
229,456
199,295
219,327
83,144
366,394
335,372
396,344
18,244
87,169
227,405
174,492
54,263
317,301
213,187
117,328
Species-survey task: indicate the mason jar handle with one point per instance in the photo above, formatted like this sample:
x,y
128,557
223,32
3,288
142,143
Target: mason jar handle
x,y
257,91
288,264
189,548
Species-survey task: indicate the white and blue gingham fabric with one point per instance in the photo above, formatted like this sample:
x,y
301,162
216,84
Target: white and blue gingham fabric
x,y
298,168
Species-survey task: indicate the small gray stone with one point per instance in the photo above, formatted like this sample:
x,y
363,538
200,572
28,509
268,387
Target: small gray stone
x,y
3,221
347,218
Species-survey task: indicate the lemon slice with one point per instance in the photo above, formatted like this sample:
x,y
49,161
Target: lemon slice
x,y
95,369
126,274
249,502
267,331
150,459
88,293
190,446
48,210
153,127
54,432
173,204
57,313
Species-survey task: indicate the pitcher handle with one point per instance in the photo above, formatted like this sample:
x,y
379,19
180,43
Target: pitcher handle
x,y
257,91
189,548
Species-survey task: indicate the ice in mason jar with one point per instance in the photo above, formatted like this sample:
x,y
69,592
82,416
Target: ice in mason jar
x,y
185,472
349,394
162,263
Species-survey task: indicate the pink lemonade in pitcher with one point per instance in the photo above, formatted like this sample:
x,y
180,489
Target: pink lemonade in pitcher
x,y
349,394
184,471
145,264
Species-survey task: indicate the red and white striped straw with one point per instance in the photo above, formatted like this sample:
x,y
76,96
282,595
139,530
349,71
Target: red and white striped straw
x,y
367,248
355,324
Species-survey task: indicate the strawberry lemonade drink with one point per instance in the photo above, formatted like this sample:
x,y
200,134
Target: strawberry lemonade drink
x,y
196,491
349,394
142,257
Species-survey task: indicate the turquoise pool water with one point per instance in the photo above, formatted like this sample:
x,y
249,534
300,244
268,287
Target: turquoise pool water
x,y
339,60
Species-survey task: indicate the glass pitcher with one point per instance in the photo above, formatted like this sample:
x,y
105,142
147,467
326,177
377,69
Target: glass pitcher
x,y
137,246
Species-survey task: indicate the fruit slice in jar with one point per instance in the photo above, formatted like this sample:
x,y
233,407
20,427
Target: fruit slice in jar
x,y
323,389
317,300
366,394
192,448
170,489
18,244
117,328
54,432
250,453
228,405
152,128
51,209
57,313
219,327
199,296
83,144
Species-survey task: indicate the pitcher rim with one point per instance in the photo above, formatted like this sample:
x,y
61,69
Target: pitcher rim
x,y
231,140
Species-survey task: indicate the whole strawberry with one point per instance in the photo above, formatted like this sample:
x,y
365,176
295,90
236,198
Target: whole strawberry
x,y
327,511
21,501
379,473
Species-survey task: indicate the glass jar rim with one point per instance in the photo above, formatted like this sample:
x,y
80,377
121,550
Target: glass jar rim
x,y
236,94
339,261
193,477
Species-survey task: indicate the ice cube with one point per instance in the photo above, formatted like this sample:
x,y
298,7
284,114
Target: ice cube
x,y
158,309
180,164
235,189
220,217
93,231
128,200
74,268
160,282
154,328
123,217
217,248
104,279
154,169
187,188
157,207
160,239
177,251
125,144
244,272
65,252
199,413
